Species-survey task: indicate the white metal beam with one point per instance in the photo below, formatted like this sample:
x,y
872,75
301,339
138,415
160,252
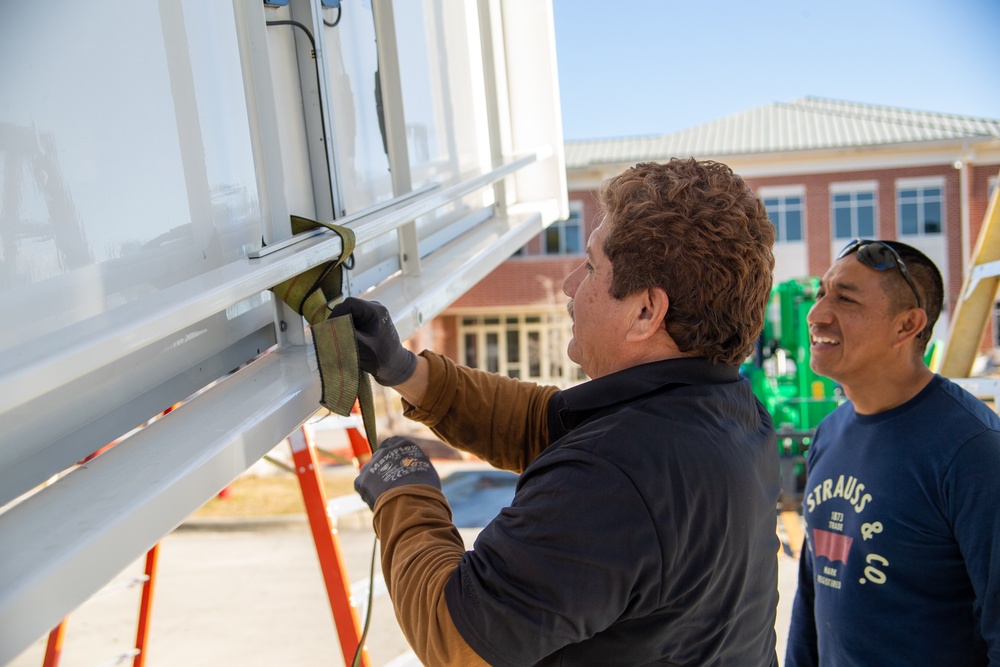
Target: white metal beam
x,y
62,544
57,360
65,542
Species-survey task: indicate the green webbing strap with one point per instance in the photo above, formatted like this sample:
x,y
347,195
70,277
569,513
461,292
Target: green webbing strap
x,y
310,294
340,374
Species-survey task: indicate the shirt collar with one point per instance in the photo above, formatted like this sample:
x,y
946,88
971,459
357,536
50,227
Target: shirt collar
x,y
581,402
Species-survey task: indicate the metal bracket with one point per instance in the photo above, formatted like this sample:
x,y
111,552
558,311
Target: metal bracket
x,y
281,245
980,272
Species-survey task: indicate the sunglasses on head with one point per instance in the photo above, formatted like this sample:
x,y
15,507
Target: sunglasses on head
x,y
881,257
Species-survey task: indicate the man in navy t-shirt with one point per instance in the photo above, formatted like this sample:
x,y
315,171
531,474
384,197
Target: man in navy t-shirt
x,y
902,565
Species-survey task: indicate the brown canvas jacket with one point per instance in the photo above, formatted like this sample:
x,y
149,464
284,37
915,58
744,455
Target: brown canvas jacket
x,y
498,419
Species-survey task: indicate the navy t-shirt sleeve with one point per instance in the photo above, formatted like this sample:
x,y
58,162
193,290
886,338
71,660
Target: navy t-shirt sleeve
x,y
559,565
972,492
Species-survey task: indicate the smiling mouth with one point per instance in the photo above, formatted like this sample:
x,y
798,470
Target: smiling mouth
x,y
822,340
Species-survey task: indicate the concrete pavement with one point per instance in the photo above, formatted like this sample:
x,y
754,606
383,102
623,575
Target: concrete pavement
x,y
250,593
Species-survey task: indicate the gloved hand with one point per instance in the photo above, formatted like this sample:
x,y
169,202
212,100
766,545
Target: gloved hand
x,y
397,462
379,350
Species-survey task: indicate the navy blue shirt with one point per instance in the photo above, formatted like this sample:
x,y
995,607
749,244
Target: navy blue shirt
x,y
644,534
902,565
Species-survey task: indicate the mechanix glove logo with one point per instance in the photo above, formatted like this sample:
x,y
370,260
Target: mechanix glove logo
x,y
400,462
396,463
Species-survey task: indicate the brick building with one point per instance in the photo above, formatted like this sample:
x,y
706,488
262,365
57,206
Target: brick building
x,y
827,170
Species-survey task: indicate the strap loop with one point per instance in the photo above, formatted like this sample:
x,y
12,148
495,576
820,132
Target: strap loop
x,y
310,294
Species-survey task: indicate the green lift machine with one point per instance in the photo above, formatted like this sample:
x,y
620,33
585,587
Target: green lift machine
x,y
795,396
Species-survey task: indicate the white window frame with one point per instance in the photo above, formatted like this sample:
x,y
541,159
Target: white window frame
x,y
852,187
552,331
575,208
918,184
782,192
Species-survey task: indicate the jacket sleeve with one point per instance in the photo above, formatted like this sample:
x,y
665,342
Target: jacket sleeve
x,y
802,649
420,550
499,419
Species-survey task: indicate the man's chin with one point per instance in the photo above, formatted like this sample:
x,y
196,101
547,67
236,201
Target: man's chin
x,y
571,351
827,370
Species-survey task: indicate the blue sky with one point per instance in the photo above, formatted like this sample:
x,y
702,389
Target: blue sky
x,y
641,67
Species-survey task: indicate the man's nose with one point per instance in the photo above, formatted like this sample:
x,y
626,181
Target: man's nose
x,y
572,282
818,314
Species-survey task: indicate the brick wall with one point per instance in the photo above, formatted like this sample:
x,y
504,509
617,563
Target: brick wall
x,y
537,279
521,281
533,279
819,237
979,179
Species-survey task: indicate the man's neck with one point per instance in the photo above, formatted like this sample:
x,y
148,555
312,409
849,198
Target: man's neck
x,y
890,390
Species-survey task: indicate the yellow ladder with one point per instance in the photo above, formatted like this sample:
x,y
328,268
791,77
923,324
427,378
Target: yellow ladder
x,y
972,312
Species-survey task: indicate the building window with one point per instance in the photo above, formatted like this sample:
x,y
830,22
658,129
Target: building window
x,y
996,324
919,210
786,214
853,213
527,346
563,237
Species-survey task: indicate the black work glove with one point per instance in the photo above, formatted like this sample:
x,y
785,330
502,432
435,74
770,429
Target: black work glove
x,y
397,462
379,350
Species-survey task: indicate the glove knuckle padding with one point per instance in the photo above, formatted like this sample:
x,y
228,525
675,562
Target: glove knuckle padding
x,y
397,462
379,349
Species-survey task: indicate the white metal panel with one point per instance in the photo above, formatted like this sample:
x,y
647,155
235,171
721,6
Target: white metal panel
x,y
284,74
535,111
71,538
108,213
129,214
128,175
442,87
63,543
352,64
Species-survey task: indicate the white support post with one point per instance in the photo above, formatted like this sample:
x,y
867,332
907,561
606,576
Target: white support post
x,y
395,127
497,102
392,96
314,79
265,142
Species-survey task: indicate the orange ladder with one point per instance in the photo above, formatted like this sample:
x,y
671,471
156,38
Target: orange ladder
x,y
331,557
53,647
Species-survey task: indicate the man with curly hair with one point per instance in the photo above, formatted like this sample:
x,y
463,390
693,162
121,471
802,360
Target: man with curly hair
x,y
642,530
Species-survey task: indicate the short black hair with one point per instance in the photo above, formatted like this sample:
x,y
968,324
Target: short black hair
x,y
926,277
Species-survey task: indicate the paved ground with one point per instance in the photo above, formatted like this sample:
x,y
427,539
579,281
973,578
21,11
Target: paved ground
x,y
251,594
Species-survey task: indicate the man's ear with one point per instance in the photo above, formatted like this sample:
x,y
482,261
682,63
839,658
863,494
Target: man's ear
x,y
910,324
652,305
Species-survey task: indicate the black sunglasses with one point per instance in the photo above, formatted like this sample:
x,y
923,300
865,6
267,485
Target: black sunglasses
x,y
881,257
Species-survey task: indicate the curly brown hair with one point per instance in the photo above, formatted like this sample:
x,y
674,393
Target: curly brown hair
x,y
695,229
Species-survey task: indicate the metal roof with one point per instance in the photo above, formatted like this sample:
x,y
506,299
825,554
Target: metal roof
x,y
810,123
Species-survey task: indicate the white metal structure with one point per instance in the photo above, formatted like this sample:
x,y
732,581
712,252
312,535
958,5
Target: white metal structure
x,y
150,156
